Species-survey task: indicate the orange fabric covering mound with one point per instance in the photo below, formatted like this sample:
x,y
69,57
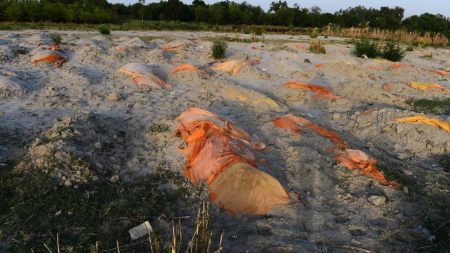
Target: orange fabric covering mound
x,y
350,158
218,152
172,48
233,66
49,56
189,67
54,47
425,120
321,92
143,75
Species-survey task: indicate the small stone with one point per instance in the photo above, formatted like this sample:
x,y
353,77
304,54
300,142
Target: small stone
x,y
405,189
377,200
68,183
447,146
114,97
355,242
336,116
98,145
114,179
407,172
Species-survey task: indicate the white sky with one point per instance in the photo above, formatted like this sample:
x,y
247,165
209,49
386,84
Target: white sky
x,y
411,6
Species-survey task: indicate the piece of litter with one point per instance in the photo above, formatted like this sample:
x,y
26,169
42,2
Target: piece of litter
x,y
140,231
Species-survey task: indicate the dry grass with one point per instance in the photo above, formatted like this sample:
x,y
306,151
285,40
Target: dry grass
x,y
427,39
317,47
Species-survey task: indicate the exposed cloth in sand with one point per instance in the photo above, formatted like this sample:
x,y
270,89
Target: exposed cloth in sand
x,y
218,152
427,86
440,72
321,92
350,158
189,67
425,120
233,66
143,75
49,56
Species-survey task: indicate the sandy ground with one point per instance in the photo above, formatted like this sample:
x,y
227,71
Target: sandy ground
x,y
111,120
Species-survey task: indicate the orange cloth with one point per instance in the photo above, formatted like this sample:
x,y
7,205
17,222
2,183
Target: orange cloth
x,y
49,56
218,152
440,72
233,66
425,120
143,75
350,158
321,92
189,67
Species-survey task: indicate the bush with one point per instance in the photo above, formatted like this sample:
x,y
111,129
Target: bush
x,y
104,30
367,48
258,31
317,47
393,52
56,38
219,48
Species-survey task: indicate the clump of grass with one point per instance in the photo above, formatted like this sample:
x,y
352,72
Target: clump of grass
x,y
159,128
317,47
258,31
104,30
393,52
367,48
56,38
219,47
434,106
409,48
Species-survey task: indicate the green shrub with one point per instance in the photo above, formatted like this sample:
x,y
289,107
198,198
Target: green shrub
x,y
56,38
314,35
410,48
367,48
104,30
393,52
317,47
219,48
258,31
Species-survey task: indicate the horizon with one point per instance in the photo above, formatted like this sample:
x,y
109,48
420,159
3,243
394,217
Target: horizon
x,y
413,7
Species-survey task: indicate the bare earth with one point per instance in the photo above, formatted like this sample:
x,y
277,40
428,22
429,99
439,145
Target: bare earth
x,y
114,120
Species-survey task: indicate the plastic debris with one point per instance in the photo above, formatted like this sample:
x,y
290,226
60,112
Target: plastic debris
x,y
218,152
233,66
321,92
140,231
49,56
350,158
143,75
425,120
189,67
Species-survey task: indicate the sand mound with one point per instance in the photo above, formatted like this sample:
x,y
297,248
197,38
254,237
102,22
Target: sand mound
x,y
71,150
9,88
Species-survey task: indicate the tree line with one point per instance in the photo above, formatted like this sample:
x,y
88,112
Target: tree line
x,y
220,13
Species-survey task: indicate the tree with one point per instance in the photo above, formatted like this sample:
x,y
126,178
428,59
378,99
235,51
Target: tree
x,y
276,6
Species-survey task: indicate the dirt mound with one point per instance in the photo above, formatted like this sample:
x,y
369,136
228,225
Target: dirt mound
x,y
71,150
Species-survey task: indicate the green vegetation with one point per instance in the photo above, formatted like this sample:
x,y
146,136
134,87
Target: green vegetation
x,y
389,51
33,212
219,47
317,47
56,38
104,30
219,14
392,51
159,128
434,106
367,48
